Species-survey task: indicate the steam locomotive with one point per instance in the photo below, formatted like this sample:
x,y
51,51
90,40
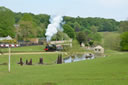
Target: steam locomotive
x,y
53,47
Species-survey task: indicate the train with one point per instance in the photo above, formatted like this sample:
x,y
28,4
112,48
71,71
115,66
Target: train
x,y
53,47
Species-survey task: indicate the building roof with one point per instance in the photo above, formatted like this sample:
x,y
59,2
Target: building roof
x,y
6,38
99,47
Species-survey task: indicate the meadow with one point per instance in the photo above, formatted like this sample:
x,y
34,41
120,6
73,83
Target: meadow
x,y
36,48
109,70
110,40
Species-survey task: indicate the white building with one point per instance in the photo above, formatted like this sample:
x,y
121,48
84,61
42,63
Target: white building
x,y
6,38
99,49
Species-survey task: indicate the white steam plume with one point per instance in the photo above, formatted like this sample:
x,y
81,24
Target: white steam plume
x,y
54,26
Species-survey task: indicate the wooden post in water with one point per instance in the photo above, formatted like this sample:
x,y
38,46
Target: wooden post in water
x,y
59,60
26,62
30,62
41,61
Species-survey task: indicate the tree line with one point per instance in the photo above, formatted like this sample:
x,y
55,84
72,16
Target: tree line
x,y
28,25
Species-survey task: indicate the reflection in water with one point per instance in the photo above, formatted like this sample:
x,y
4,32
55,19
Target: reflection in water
x,y
78,58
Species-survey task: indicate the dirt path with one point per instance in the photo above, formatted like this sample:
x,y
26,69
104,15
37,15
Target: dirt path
x,y
34,53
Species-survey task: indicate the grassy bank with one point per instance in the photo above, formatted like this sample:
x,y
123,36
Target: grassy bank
x,y
111,70
37,48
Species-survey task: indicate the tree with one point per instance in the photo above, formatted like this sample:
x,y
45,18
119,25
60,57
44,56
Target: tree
x,y
69,30
6,22
41,30
81,37
60,36
18,17
26,17
87,33
123,26
41,19
27,28
77,27
124,41
93,29
69,19
95,37
91,42
86,23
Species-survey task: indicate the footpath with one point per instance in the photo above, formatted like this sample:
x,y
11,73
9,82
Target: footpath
x,y
22,53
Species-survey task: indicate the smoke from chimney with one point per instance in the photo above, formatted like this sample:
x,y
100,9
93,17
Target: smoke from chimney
x,y
54,26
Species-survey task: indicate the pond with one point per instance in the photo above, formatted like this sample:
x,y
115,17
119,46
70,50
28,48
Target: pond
x,y
78,57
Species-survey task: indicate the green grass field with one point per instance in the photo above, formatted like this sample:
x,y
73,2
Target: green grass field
x,y
110,70
40,48
110,40
37,48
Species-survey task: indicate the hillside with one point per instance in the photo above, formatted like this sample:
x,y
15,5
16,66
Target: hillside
x,y
110,40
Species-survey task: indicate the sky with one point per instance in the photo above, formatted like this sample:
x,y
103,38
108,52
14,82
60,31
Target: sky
x,y
115,9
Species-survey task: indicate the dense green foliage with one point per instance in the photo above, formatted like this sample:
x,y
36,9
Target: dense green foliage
x,y
81,37
6,22
79,23
89,36
123,26
27,28
27,25
31,25
69,30
60,36
124,35
42,20
124,41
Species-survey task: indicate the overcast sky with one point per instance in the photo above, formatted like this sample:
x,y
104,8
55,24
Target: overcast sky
x,y
116,9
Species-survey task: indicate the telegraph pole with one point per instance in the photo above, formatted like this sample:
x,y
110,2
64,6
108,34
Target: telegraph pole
x,y
9,55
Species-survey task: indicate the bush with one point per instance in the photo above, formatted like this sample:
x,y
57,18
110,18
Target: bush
x,y
124,41
8,41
